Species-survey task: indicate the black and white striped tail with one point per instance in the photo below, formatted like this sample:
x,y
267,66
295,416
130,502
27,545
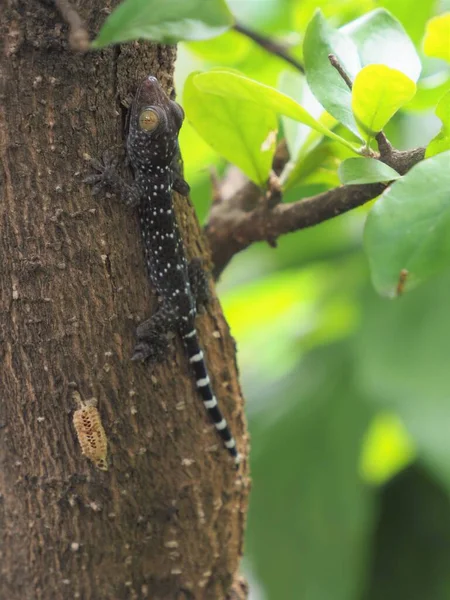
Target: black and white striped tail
x,y
209,400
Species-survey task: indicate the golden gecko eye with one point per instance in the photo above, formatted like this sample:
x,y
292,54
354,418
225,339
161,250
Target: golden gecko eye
x,y
148,119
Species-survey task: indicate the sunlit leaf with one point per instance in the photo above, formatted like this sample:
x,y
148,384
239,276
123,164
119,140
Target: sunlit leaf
x,y
378,93
240,131
437,37
407,234
387,449
167,21
381,39
365,170
233,85
325,82
441,142
318,165
225,49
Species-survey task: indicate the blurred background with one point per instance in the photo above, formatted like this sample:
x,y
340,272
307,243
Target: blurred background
x,y
348,394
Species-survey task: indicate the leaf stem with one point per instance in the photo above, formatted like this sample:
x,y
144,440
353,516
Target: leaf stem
x,y
340,69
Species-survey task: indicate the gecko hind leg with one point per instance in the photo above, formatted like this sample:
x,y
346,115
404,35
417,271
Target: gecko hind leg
x,y
199,280
152,336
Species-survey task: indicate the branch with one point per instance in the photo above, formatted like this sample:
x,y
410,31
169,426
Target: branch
x,y
269,45
241,214
78,35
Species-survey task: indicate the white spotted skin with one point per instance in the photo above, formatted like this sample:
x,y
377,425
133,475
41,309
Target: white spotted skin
x,y
151,155
164,252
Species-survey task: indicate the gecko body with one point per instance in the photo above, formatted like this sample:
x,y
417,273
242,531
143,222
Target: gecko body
x,y
152,148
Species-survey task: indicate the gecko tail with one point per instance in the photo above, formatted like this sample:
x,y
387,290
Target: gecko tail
x,y
197,361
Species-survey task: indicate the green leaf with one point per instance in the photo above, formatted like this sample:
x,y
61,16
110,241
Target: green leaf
x,y
441,142
381,39
378,93
165,21
437,36
240,131
407,233
316,165
294,85
354,171
302,141
325,82
232,85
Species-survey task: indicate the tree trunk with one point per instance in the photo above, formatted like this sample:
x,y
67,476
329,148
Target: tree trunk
x,y
166,520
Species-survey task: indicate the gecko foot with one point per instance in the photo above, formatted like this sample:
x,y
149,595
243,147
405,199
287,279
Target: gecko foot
x,y
149,351
106,172
152,336
107,178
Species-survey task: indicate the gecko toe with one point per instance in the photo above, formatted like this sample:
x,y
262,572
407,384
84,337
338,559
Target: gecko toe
x,y
141,352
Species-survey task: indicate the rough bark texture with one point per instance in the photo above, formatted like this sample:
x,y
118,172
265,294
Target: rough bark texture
x,y
166,520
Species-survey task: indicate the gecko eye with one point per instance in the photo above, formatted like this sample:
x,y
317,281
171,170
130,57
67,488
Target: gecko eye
x,y
148,119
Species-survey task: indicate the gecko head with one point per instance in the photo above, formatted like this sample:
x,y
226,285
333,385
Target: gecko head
x,y
154,125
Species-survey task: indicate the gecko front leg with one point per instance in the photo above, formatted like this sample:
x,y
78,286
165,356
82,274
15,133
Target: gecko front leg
x,y
107,177
179,184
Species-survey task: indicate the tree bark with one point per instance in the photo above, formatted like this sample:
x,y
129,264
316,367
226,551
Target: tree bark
x,y
166,520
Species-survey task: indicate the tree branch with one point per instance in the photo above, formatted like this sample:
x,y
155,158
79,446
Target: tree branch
x,y
269,45
241,215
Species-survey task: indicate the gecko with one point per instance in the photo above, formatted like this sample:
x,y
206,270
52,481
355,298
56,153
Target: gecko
x,y
153,153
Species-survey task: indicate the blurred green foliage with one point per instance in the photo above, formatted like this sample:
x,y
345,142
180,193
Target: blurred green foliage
x,y
345,390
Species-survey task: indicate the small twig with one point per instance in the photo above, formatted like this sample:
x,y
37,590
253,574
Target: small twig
x,y
269,45
274,190
340,69
281,157
384,146
78,35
